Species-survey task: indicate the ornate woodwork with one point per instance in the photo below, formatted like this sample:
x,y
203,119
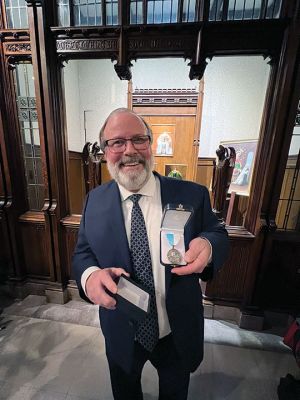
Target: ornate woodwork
x,y
92,158
53,230
230,283
222,178
165,97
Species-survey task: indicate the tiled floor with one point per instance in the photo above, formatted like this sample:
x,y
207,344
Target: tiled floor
x,y
42,357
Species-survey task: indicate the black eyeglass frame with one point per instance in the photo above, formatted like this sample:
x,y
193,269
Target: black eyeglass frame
x,y
105,143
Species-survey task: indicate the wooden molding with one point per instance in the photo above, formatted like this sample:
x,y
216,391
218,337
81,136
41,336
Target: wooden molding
x,y
13,48
86,45
14,35
165,97
71,221
34,217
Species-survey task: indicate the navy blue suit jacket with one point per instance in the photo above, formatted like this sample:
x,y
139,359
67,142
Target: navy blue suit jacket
x,y
102,242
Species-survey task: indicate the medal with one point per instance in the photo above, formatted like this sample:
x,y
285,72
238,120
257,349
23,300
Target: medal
x,y
173,255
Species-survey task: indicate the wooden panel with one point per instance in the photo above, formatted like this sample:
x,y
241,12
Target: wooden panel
x,y
76,182
5,255
240,206
229,284
280,285
105,176
165,110
70,233
181,130
36,249
205,170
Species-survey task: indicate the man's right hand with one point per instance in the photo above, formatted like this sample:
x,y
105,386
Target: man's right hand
x,y
100,281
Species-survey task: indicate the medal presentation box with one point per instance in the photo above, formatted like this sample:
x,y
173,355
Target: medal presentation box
x,y
172,249
132,299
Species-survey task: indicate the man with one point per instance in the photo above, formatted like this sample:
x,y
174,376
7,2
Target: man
x,y
107,248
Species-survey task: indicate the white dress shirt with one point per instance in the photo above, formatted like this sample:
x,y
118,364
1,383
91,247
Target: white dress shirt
x,y
151,207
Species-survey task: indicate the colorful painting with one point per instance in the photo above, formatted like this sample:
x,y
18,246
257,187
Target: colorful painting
x,y
243,169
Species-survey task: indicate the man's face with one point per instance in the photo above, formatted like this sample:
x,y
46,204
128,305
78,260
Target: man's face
x,y
131,168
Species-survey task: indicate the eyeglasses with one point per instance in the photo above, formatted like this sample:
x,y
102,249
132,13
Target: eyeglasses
x,y
119,145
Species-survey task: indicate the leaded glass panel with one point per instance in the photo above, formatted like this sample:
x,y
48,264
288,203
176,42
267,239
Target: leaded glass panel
x,y
246,9
189,11
273,9
16,14
162,11
136,12
63,12
112,12
30,138
87,12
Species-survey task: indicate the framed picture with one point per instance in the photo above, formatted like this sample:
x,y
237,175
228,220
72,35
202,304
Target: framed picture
x,y
177,171
163,139
243,169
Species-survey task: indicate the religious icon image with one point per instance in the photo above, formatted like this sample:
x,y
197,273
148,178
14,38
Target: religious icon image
x,y
177,171
164,145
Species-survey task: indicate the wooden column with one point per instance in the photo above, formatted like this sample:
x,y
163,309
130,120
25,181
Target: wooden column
x,y
14,46
47,73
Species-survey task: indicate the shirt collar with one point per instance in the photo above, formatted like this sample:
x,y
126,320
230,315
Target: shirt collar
x,y
147,190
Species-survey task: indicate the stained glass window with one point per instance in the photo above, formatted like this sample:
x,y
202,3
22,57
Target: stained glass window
x,y
136,12
112,12
63,12
29,131
244,9
87,12
16,14
162,11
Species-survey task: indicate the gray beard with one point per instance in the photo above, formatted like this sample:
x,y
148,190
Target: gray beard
x,y
132,181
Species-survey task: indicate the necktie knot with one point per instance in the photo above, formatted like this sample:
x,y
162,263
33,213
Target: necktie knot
x,y
135,198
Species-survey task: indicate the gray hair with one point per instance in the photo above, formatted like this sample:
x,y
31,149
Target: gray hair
x,y
122,110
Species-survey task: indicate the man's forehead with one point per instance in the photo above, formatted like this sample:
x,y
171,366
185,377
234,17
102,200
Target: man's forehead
x,y
123,120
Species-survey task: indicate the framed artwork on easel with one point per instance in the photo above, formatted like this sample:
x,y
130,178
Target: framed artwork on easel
x,y
243,168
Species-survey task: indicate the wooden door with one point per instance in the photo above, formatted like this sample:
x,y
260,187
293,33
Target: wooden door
x,y
175,139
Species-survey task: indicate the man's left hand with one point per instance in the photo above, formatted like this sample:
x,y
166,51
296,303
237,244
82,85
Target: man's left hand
x,y
197,258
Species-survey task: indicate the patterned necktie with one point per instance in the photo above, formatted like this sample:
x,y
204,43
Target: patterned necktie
x,y
147,332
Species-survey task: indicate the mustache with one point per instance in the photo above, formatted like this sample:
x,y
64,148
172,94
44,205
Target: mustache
x,y
131,159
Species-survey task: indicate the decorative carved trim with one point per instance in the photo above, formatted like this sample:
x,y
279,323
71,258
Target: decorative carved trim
x,y
62,60
197,70
92,32
86,45
13,48
165,97
14,35
158,43
123,71
12,60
